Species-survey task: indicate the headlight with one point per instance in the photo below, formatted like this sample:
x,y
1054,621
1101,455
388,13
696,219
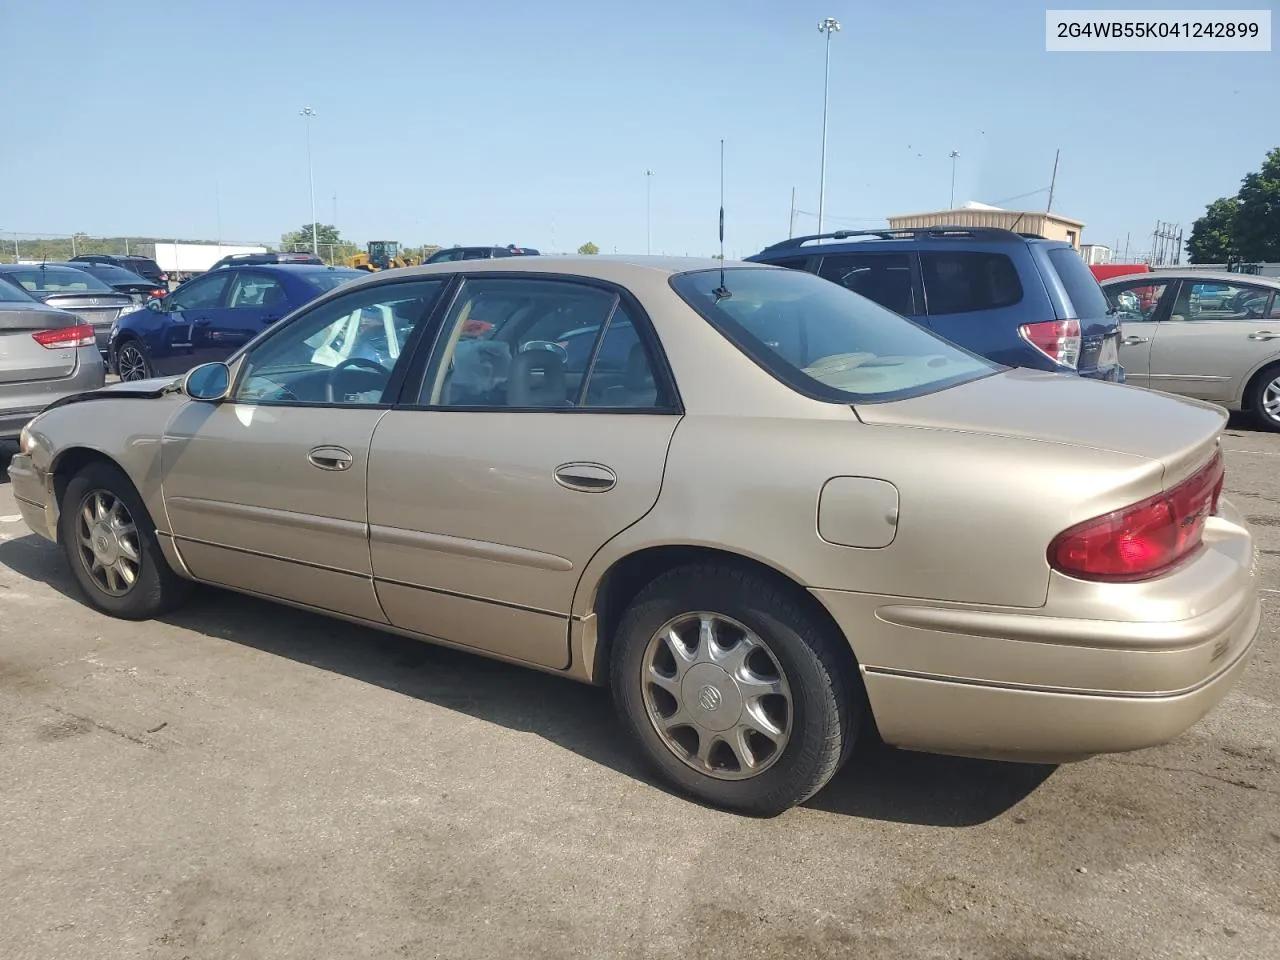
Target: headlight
x,y
26,442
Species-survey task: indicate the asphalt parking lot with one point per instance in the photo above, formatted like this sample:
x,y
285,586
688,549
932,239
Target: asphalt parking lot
x,y
242,780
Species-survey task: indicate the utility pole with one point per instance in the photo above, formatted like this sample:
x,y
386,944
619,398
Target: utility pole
x,y
954,154
828,26
648,212
1053,181
308,115
791,223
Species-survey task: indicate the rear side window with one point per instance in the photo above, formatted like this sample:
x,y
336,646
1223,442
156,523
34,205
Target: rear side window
x,y
1087,299
963,282
884,278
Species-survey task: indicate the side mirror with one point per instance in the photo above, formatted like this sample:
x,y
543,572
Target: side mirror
x,y
209,382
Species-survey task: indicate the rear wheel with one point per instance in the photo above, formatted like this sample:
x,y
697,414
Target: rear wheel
x,y
1263,399
111,544
131,362
735,691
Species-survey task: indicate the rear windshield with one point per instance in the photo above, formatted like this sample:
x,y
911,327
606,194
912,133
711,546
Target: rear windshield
x,y
823,340
58,280
323,280
113,274
9,293
1078,280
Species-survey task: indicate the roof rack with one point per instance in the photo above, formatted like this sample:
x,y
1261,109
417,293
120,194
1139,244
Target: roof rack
x,y
940,232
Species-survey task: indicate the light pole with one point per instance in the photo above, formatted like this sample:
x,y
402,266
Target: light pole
x,y
648,211
828,26
954,154
308,115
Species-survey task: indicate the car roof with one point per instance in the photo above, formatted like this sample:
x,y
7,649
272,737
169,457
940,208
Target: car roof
x,y
1221,276
845,240
291,268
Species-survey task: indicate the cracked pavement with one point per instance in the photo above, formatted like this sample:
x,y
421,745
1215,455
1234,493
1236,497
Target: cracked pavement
x,y
247,781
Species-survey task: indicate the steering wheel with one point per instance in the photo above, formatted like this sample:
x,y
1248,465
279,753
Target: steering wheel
x,y
348,364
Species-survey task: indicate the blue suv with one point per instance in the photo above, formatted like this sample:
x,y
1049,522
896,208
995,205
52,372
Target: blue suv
x,y
1015,298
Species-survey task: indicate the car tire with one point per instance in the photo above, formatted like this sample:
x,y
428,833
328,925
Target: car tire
x,y
131,362
116,558
1262,399
767,638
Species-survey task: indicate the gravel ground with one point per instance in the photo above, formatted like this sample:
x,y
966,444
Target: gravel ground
x,y
246,781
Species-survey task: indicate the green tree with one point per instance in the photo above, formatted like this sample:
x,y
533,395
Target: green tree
x,y
1213,235
1257,223
588,249
300,239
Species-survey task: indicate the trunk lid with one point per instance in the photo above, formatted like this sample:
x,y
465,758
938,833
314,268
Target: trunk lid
x,y
22,359
1059,408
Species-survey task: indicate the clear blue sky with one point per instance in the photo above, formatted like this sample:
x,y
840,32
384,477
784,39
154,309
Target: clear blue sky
x,y
534,122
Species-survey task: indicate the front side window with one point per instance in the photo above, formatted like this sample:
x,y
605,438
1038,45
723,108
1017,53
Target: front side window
x,y
534,343
1216,300
966,282
1135,301
341,352
823,340
203,293
255,290
884,278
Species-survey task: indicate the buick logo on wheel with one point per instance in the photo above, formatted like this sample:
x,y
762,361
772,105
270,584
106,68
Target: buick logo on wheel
x,y
709,698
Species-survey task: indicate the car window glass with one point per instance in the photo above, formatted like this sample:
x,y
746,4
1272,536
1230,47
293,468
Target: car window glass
x,y
255,290
502,343
476,255
342,351
791,263
622,375
203,293
1216,300
59,280
884,278
964,282
1135,301
1079,282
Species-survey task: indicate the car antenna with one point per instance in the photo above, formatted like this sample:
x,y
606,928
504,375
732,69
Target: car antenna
x,y
722,292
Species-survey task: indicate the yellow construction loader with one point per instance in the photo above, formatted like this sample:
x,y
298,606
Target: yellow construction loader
x,y
380,255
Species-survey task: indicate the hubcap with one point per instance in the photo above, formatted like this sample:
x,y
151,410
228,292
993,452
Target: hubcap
x,y
716,696
1271,400
131,363
107,542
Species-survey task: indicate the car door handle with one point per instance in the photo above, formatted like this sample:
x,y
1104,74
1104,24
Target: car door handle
x,y
586,477
330,458
1134,341
202,321
1263,335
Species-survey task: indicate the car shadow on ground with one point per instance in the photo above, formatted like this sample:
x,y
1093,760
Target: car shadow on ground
x,y
879,782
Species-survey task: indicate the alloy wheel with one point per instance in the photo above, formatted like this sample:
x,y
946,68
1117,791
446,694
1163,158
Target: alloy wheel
x,y
716,696
1271,400
107,543
130,363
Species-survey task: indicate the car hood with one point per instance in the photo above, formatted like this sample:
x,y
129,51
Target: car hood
x,y
130,390
1064,409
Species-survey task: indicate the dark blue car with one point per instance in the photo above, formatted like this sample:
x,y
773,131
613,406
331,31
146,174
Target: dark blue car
x,y
1017,299
212,315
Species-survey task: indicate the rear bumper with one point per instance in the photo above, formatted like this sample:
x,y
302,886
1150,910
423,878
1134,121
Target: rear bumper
x,y
1112,374
1102,668
12,421
21,401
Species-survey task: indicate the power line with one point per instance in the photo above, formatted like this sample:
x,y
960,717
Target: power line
x,y
1021,196
829,216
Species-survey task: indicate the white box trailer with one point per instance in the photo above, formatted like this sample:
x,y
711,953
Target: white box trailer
x,y
186,259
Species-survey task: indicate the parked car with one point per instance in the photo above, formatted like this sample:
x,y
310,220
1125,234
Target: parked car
x,y
210,316
72,289
795,513
45,354
136,287
261,259
142,266
1019,300
449,254
1212,336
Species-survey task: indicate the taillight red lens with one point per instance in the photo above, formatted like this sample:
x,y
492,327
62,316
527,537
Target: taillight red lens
x,y
1059,340
1143,540
159,294
81,335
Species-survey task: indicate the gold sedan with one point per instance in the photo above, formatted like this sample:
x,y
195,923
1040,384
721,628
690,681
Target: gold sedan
x,y
763,509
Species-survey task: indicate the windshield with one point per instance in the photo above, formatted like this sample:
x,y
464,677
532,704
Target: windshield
x,y
323,280
823,340
113,275
39,279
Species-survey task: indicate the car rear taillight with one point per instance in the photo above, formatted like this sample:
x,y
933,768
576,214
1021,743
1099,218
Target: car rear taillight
x,y
1059,340
1143,540
81,335
159,294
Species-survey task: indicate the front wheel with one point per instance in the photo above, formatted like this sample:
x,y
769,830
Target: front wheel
x,y
736,692
131,362
1263,401
110,543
